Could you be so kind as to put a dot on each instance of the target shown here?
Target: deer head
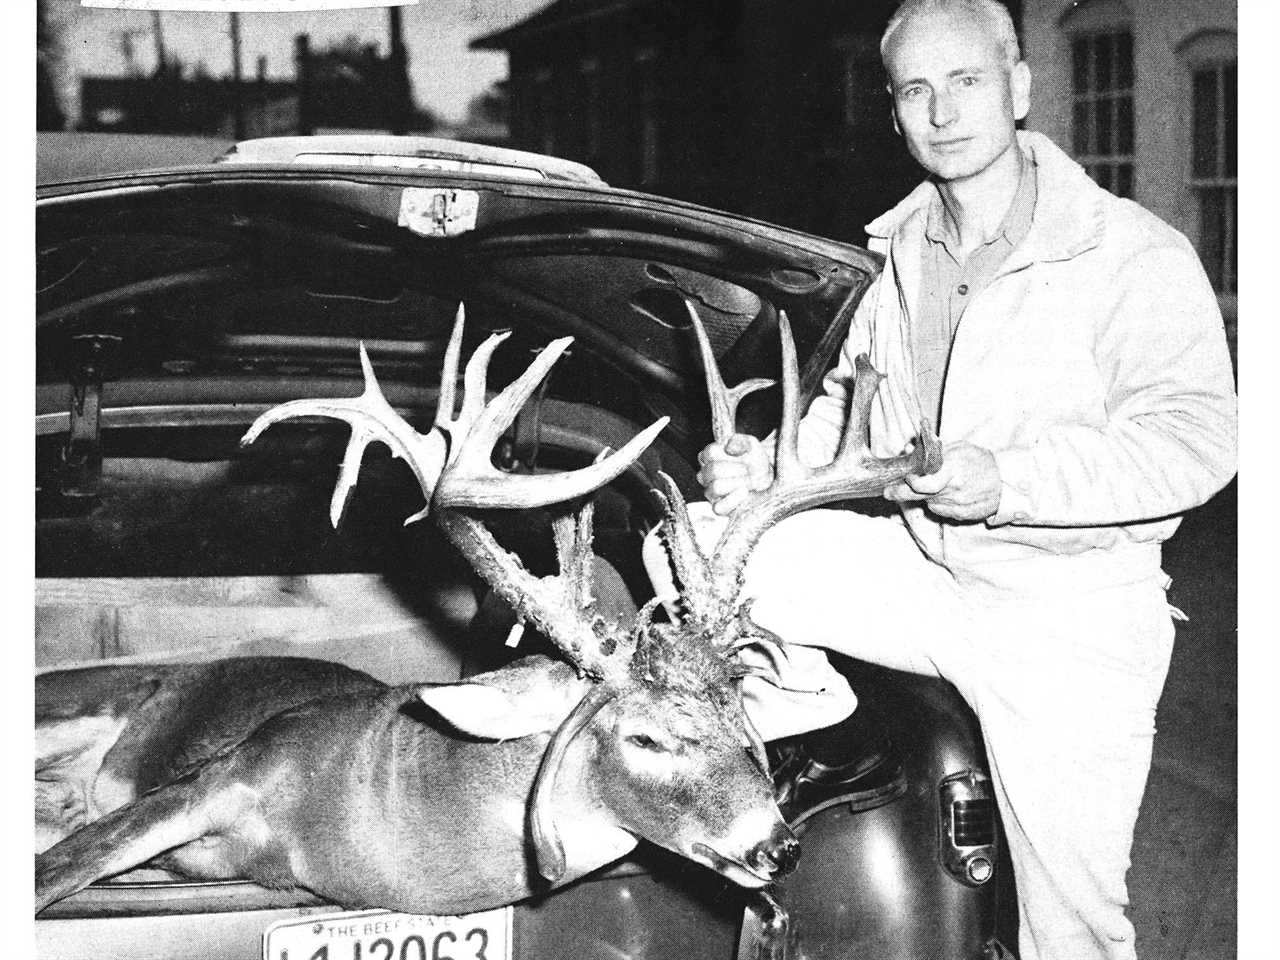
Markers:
(662, 714)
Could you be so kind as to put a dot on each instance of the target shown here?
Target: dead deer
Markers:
(459, 797)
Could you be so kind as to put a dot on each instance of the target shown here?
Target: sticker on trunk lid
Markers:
(438, 212)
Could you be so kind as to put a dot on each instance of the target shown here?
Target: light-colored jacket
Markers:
(1094, 367)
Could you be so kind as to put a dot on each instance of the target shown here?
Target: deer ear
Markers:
(547, 846)
(487, 710)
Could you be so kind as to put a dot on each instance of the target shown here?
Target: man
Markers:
(1069, 349)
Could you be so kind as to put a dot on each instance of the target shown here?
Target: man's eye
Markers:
(643, 741)
(968, 81)
(910, 93)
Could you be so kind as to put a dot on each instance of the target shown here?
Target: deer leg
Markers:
(159, 821)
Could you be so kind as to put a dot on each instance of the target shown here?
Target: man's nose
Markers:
(942, 110)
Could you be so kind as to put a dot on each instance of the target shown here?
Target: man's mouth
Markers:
(950, 145)
(735, 870)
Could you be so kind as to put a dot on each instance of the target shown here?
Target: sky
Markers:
(444, 73)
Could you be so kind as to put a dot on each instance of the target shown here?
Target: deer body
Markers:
(328, 780)
(457, 797)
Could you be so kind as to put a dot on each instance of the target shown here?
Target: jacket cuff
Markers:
(1017, 501)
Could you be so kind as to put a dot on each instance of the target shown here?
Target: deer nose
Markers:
(778, 855)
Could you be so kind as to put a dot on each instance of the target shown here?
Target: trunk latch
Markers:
(438, 212)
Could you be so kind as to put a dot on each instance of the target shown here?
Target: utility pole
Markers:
(400, 105)
(158, 33)
(302, 77)
(126, 50)
(237, 97)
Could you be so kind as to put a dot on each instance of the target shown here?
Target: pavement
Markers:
(1183, 881)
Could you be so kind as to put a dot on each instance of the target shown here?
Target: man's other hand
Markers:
(966, 488)
(732, 470)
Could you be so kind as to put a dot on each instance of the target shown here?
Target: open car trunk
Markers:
(174, 308)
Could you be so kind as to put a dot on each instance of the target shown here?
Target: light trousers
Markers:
(1064, 680)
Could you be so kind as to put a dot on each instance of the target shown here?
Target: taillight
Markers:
(967, 827)
(973, 822)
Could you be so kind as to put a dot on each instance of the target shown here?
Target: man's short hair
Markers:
(992, 12)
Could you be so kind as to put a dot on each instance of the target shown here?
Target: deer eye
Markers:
(644, 742)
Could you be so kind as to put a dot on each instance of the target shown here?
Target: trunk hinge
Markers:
(81, 471)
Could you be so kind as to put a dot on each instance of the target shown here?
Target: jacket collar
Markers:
(1069, 212)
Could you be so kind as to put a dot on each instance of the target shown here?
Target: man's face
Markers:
(955, 98)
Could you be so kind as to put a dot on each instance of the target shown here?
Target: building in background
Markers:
(346, 85)
(772, 108)
(49, 112)
(1143, 92)
(172, 103)
(343, 86)
(777, 108)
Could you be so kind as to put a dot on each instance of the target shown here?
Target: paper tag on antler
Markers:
(514, 634)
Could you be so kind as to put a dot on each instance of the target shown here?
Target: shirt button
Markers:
(962, 289)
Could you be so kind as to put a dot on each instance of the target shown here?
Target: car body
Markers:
(175, 305)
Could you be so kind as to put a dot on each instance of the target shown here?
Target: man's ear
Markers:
(1020, 89)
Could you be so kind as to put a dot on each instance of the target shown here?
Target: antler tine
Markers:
(471, 480)
(786, 460)
(724, 400)
(853, 456)
(690, 564)
(449, 372)
(573, 534)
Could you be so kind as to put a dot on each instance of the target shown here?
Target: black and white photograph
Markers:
(640, 480)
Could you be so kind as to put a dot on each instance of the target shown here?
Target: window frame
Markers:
(1213, 51)
(1120, 165)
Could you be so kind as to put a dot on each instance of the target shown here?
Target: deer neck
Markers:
(485, 857)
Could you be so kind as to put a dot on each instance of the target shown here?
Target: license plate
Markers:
(384, 935)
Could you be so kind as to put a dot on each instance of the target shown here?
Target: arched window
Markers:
(1210, 60)
(1102, 75)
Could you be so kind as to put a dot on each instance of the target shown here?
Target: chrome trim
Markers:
(266, 343)
(240, 415)
(383, 150)
(163, 415)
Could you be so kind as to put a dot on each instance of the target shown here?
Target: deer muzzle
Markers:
(764, 863)
(777, 856)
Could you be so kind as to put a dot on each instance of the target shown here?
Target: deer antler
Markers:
(712, 584)
(457, 473)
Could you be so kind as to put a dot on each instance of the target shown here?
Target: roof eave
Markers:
(547, 22)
